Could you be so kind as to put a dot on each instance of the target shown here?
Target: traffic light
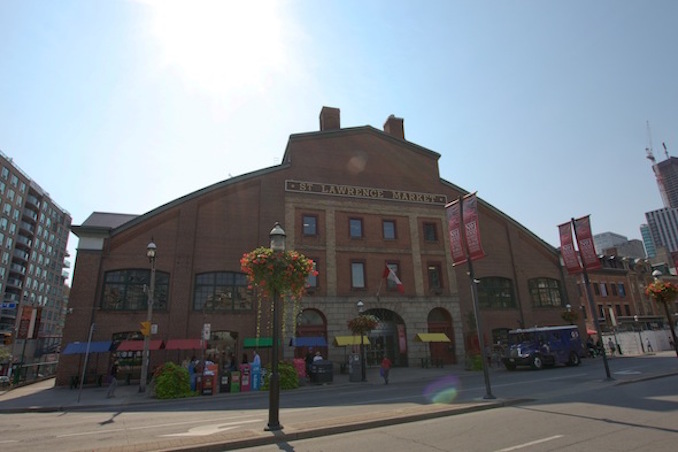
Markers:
(8, 339)
(145, 328)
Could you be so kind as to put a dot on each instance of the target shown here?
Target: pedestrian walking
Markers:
(385, 369)
(611, 346)
(113, 380)
(648, 344)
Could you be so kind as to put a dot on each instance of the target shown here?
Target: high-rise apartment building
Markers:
(33, 238)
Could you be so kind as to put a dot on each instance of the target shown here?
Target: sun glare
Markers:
(221, 47)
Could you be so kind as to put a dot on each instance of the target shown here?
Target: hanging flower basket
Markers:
(661, 291)
(283, 272)
(362, 324)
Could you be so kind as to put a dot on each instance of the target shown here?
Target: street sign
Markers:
(8, 305)
(206, 329)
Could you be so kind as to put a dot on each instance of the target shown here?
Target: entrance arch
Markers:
(389, 339)
(440, 321)
(311, 323)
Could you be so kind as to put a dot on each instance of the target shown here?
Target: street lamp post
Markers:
(363, 373)
(146, 356)
(277, 236)
(657, 276)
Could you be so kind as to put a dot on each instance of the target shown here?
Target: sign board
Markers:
(8, 305)
(206, 330)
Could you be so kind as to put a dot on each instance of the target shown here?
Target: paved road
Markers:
(52, 418)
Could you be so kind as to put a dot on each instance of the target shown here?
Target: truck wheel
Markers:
(537, 362)
(574, 359)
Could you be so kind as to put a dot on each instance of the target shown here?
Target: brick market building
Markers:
(355, 200)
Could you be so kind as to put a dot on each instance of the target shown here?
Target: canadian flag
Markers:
(390, 274)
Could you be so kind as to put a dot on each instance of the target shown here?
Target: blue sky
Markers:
(539, 106)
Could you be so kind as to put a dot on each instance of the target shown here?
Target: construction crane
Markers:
(655, 168)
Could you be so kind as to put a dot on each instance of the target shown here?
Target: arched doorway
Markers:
(311, 323)
(440, 321)
(388, 338)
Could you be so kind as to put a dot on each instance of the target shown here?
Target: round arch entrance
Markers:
(311, 323)
(389, 338)
(440, 321)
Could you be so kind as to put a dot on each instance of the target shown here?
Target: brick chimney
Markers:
(329, 119)
(394, 127)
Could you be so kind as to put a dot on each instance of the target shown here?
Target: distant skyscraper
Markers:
(619, 245)
(663, 225)
(667, 170)
(650, 249)
(607, 240)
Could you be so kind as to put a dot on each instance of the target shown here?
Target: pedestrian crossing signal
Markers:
(145, 328)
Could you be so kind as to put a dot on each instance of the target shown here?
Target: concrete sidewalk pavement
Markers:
(44, 397)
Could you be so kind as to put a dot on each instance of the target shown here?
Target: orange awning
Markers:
(185, 344)
(137, 346)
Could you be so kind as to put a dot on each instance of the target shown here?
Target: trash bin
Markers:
(355, 372)
(321, 372)
(225, 382)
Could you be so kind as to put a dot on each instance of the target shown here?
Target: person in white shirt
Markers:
(256, 361)
(317, 357)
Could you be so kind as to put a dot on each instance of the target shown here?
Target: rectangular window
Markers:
(618, 310)
(389, 228)
(613, 286)
(435, 278)
(601, 311)
(358, 275)
(596, 288)
(622, 290)
(627, 310)
(603, 289)
(310, 223)
(355, 228)
(430, 232)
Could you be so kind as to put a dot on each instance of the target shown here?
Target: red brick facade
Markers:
(335, 176)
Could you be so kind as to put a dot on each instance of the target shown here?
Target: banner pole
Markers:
(476, 310)
(594, 311)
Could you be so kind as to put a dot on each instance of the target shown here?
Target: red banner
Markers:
(472, 227)
(587, 251)
(567, 248)
(453, 211)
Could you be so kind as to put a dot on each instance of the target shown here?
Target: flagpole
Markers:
(594, 311)
(476, 310)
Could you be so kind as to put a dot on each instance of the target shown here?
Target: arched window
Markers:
(496, 293)
(545, 292)
(127, 290)
(221, 291)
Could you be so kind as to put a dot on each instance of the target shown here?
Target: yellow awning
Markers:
(431, 337)
(343, 341)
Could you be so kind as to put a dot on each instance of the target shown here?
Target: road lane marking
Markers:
(113, 430)
(531, 443)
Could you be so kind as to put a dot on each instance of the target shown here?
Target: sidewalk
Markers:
(44, 397)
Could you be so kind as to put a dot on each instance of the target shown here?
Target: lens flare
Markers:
(443, 390)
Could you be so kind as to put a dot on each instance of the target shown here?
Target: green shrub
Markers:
(474, 362)
(287, 375)
(172, 382)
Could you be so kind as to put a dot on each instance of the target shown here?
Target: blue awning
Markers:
(77, 348)
(315, 341)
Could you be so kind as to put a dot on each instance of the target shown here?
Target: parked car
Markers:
(4, 381)
(545, 346)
